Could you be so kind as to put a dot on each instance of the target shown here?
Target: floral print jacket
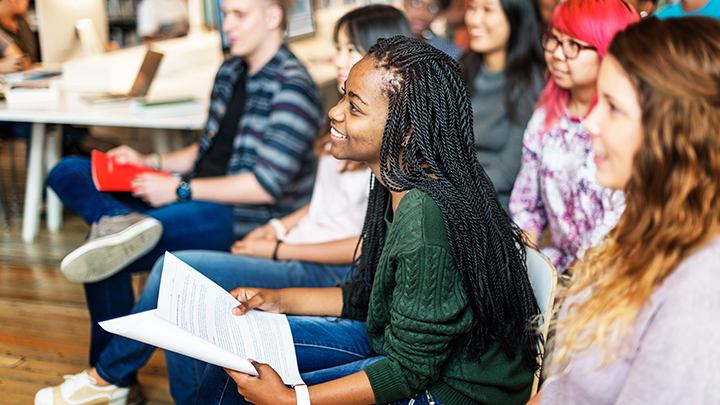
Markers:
(556, 187)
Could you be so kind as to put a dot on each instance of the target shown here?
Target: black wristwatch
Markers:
(184, 190)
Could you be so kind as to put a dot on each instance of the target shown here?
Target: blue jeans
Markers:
(17, 129)
(122, 358)
(326, 349)
(191, 225)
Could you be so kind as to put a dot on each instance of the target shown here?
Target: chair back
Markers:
(543, 279)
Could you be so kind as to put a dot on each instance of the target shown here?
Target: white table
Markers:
(45, 146)
(188, 69)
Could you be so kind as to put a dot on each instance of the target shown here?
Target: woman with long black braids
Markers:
(440, 304)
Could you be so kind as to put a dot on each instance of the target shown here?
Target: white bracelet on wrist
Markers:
(302, 394)
(279, 228)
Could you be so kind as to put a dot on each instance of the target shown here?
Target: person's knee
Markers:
(191, 257)
(204, 261)
(68, 166)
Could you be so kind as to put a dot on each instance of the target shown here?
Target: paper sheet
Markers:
(194, 318)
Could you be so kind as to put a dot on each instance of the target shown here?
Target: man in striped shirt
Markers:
(254, 162)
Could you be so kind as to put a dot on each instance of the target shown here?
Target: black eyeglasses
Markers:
(570, 48)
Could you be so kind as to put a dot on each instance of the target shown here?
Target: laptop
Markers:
(139, 89)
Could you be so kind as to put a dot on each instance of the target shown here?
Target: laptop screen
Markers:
(146, 74)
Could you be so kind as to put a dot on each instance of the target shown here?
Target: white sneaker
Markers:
(81, 389)
(113, 243)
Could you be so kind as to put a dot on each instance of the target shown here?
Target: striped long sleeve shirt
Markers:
(283, 114)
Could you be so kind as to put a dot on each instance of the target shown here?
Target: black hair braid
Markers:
(428, 144)
(372, 237)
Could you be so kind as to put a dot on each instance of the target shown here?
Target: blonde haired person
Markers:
(641, 319)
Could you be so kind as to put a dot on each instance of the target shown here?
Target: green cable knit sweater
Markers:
(419, 317)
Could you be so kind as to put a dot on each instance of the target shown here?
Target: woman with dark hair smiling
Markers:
(313, 246)
(504, 73)
(439, 307)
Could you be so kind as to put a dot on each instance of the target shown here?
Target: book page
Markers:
(194, 318)
(149, 328)
(193, 302)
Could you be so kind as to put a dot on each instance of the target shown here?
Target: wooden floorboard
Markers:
(44, 323)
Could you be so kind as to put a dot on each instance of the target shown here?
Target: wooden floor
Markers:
(44, 323)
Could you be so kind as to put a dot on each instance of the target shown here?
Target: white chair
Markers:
(543, 278)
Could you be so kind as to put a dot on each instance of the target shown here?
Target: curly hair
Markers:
(672, 205)
(428, 145)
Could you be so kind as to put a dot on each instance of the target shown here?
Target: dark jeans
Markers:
(16, 129)
(191, 225)
(122, 358)
(326, 349)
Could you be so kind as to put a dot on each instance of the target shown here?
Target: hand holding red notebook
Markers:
(109, 175)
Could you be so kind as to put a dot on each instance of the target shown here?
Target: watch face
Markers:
(184, 191)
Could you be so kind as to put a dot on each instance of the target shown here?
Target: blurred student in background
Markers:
(16, 28)
(16, 31)
(11, 57)
(504, 73)
(20, 52)
(421, 13)
(556, 186)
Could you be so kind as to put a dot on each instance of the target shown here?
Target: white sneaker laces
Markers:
(73, 382)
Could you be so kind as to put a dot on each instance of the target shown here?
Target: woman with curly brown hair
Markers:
(640, 322)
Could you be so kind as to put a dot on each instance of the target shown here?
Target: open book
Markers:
(109, 175)
(194, 318)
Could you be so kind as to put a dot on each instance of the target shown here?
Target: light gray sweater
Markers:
(674, 352)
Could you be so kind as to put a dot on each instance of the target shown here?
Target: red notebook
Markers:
(109, 175)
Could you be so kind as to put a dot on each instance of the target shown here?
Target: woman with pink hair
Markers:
(640, 321)
(556, 186)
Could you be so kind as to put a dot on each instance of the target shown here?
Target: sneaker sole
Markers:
(105, 257)
(53, 396)
(104, 400)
